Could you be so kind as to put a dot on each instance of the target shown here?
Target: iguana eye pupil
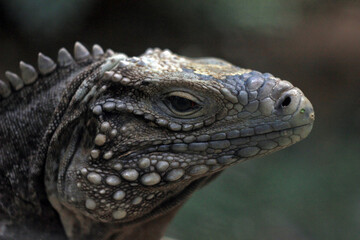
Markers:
(181, 104)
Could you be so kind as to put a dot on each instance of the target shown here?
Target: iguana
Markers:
(106, 146)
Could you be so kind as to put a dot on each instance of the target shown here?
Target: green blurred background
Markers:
(306, 192)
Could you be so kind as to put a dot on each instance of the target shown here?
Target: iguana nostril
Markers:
(286, 102)
(312, 116)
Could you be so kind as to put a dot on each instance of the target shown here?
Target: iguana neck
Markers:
(152, 229)
(24, 118)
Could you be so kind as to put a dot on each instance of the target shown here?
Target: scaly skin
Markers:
(116, 144)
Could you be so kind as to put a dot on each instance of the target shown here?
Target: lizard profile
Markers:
(106, 146)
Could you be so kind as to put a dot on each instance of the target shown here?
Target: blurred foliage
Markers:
(256, 15)
(309, 191)
(49, 18)
(44, 17)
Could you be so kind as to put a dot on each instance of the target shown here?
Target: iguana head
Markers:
(155, 127)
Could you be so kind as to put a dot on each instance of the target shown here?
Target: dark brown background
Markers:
(309, 191)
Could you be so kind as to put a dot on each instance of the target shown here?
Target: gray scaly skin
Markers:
(106, 146)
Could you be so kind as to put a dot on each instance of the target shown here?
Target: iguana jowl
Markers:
(111, 146)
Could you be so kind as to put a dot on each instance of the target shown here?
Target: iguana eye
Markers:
(182, 103)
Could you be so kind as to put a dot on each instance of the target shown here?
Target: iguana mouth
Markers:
(200, 147)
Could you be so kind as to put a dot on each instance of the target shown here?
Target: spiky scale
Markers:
(46, 65)
(64, 58)
(28, 73)
(80, 52)
(97, 51)
(5, 90)
(15, 81)
(110, 52)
